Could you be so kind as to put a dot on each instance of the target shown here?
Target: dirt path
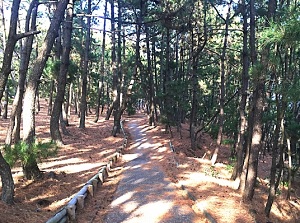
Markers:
(145, 194)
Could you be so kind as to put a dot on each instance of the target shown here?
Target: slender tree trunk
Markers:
(102, 68)
(62, 77)
(69, 101)
(51, 97)
(31, 169)
(222, 86)
(272, 188)
(256, 113)
(288, 142)
(237, 171)
(83, 101)
(113, 63)
(194, 101)
(10, 46)
(118, 109)
(13, 130)
(222, 77)
(5, 104)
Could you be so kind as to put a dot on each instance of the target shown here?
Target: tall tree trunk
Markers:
(102, 68)
(256, 113)
(10, 46)
(113, 63)
(237, 171)
(272, 188)
(13, 130)
(222, 84)
(118, 111)
(31, 169)
(83, 101)
(12, 39)
(151, 82)
(62, 76)
(195, 58)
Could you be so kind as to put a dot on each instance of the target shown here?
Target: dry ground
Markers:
(85, 151)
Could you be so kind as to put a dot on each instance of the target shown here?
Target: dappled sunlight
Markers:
(76, 168)
(122, 199)
(150, 212)
(83, 153)
(53, 162)
(197, 178)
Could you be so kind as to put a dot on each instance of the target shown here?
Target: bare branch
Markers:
(26, 34)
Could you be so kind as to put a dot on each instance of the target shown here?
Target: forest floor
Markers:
(85, 151)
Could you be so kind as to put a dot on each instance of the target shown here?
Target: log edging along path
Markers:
(68, 212)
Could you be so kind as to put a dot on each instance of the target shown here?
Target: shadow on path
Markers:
(144, 194)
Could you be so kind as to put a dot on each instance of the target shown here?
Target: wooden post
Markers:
(71, 212)
(80, 201)
(95, 183)
(90, 190)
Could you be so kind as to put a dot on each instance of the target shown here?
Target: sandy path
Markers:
(145, 194)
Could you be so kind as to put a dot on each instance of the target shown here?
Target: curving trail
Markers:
(145, 194)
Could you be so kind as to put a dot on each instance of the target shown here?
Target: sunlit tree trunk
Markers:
(256, 113)
(13, 131)
(31, 169)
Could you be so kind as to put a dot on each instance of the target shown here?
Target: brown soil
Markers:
(86, 151)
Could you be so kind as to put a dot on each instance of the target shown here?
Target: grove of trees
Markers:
(229, 68)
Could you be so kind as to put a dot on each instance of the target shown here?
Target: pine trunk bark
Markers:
(13, 131)
(31, 169)
(83, 101)
(255, 113)
(102, 68)
(10, 46)
(7, 195)
(120, 104)
(237, 171)
(114, 103)
(62, 77)
(50, 107)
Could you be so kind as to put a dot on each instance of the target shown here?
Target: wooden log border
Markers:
(68, 212)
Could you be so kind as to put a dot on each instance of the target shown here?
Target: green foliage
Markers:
(211, 171)
(213, 131)
(286, 32)
(29, 153)
(230, 165)
(228, 142)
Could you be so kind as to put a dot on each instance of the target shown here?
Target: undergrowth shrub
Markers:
(29, 153)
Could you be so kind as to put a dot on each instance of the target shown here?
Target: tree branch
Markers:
(26, 34)
(217, 112)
